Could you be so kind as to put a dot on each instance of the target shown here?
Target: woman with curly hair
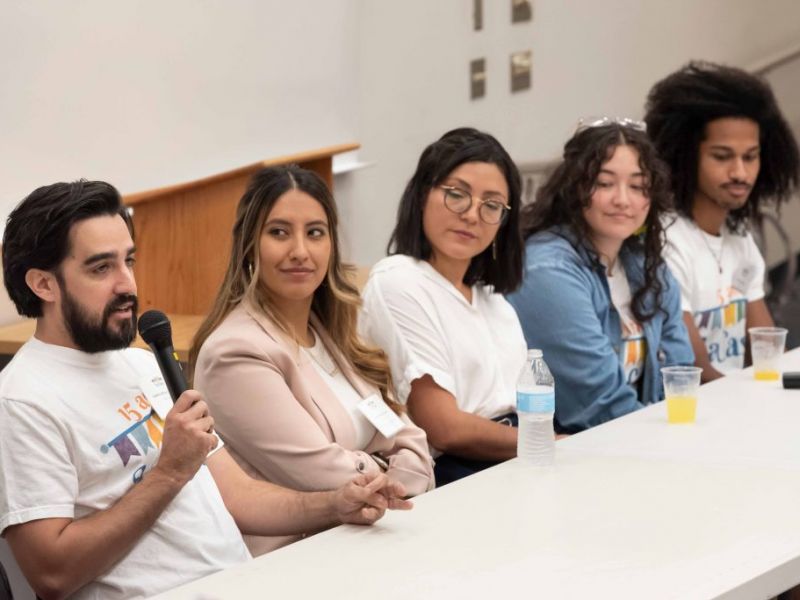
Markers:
(293, 390)
(596, 296)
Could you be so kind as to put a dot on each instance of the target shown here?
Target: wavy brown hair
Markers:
(568, 191)
(336, 301)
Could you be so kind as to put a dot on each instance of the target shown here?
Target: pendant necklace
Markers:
(320, 355)
(717, 258)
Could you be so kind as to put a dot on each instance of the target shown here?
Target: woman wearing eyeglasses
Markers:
(435, 305)
(597, 297)
(298, 398)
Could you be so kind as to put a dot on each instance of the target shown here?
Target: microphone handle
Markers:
(171, 370)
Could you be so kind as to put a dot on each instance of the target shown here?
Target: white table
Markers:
(635, 508)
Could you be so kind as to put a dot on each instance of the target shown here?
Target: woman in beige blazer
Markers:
(279, 360)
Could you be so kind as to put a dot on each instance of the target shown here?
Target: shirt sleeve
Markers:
(37, 477)
(681, 267)
(398, 317)
(755, 291)
(558, 316)
(410, 461)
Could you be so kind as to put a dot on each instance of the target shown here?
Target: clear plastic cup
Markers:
(766, 347)
(680, 391)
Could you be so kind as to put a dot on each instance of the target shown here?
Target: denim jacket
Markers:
(564, 305)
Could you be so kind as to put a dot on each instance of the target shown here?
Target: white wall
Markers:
(149, 93)
(589, 58)
(785, 81)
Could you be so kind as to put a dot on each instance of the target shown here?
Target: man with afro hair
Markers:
(730, 152)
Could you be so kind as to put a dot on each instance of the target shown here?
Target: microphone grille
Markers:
(155, 329)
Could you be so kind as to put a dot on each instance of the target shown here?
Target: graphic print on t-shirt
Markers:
(137, 439)
(632, 343)
(722, 329)
(632, 350)
(718, 275)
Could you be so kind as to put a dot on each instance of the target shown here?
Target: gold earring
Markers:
(250, 269)
(494, 249)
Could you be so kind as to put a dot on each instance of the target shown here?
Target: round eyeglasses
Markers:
(492, 210)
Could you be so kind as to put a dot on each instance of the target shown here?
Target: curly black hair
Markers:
(681, 105)
(568, 191)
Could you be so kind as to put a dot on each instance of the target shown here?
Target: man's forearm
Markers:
(261, 508)
(86, 548)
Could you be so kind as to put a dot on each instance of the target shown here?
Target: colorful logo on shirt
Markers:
(632, 351)
(138, 439)
(722, 329)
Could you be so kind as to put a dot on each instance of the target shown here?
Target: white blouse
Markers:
(474, 350)
(326, 367)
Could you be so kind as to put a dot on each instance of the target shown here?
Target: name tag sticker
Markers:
(156, 391)
(380, 415)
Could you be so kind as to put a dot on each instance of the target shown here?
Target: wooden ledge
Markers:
(302, 157)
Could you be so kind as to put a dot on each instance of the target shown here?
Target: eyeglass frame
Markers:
(446, 188)
(585, 123)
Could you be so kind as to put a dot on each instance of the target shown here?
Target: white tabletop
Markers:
(739, 421)
(635, 508)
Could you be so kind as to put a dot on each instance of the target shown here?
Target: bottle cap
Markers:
(791, 380)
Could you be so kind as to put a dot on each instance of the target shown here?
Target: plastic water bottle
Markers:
(536, 404)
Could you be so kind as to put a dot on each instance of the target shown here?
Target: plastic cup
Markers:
(766, 348)
(680, 390)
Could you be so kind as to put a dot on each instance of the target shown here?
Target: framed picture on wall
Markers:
(477, 78)
(521, 11)
(520, 64)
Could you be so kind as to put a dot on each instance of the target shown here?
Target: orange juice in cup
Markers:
(680, 390)
(766, 348)
(767, 374)
(681, 409)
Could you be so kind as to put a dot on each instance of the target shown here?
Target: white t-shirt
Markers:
(330, 373)
(718, 276)
(633, 345)
(76, 433)
(474, 350)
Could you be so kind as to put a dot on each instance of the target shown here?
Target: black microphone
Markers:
(156, 331)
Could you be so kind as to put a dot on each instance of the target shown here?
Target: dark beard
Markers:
(92, 337)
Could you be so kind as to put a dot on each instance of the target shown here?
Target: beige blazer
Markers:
(281, 421)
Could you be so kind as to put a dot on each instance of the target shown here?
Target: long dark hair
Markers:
(680, 106)
(568, 191)
(336, 301)
(438, 160)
